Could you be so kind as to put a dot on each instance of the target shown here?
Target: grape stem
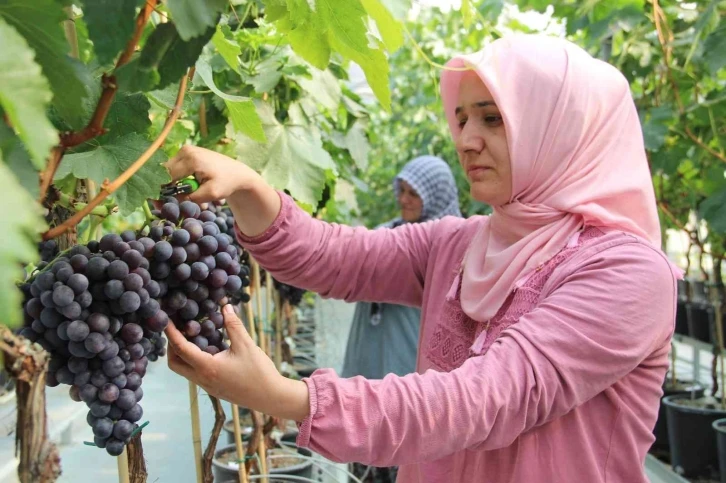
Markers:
(109, 188)
(67, 202)
(95, 125)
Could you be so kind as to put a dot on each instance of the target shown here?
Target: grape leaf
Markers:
(467, 13)
(714, 49)
(323, 87)
(129, 113)
(25, 94)
(346, 22)
(712, 211)
(39, 21)
(357, 144)
(399, 8)
(293, 158)
(229, 50)
(305, 31)
(110, 25)
(375, 66)
(108, 160)
(180, 56)
(268, 74)
(388, 26)
(21, 221)
(18, 160)
(242, 110)
(193, 18)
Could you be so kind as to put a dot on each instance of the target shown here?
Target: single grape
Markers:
(98, 378)
(98, 322)
(154, 289)
(188, 209)
(124, 355)
(207, 216)
(33, 307)
(52, 337)
(200, 342)
(108, 241)
(108, 393)
(126, 399)
(78, 330)
(133, 381)
(120, 381)
(89, 393)
(75, 394)
(103, 427)
(207, 245)
(151, 308)
(64, 376)
(72, 311)
(218, 319)
(118, 269)
(158, 321)
(99, 409)
(60, 264)
(132, 333)
(82, 378)
(176, 300)
(200, 271)
(192, 328)
(160, 270)
(115, 325)
(63, 296)
(234, 284)
(133, 282)
(121, 247)
(218, 278)
(234, 269)
(129, 367)
(122, 429)
(209, 261)
(96, 268)
(210, 229)
(95, 342)
(115, 413)
(139, 394)
(196, 231)
(170, 211)
(162, 251)
(217, 294)
(114, 447)
(78, 349)
(64, 274)
(109, 352)
(207, 327)
(93, 246)
(77, 365)
(148, 244)
(130, 301)
(50, 318)
(211, 349)
(45, 280)
(85, 299)
(132, 259)
(113, 289)
(113, 367)
(46, 299)
(136, 351)
(143, 297)
(190, 310)
(207, 306)
(100, 442)
(222, 243)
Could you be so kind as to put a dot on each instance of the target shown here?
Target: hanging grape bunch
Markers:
(200, 265)
(292, 295)
(93, 309)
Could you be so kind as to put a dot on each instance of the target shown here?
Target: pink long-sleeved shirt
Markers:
(563, 385)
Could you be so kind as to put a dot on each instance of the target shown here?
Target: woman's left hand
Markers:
(243, 375)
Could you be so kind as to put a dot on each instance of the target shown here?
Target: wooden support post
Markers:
(196, 430)
(123, 467)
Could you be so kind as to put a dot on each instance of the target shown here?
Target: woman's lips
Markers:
(474, 172)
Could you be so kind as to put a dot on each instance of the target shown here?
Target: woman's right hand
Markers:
(254, 203)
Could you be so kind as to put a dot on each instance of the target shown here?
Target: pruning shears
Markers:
(182, 187)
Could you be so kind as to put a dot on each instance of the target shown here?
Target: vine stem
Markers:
(95, 125)
(109, 188)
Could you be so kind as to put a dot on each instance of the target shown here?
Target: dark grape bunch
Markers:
(292, 295)
(48, 250)
(200, 265)
(94, 309)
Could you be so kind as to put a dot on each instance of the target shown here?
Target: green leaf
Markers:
(357, 144)
(293, 158)
(399, 8)
(129, 113)
(18, 160)
(491, 9)
(375, 66)
(323, 87)
(655, 128)
(388, 26)
(109, 160)
(193, 18)
(21, 222)
(715, 50)
(39, 21)
(712, 210)
(25, 94)
(230, 51)
(268, 75)
(466, 12)
(346, 21)
(242, 110)
(110, 25)
(181, 56)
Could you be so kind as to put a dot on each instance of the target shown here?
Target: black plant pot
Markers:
(690, 389)
(303, 468)
(700, 314)
(691, 437)
(720, 427)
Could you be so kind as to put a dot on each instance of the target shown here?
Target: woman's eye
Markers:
(493, 119)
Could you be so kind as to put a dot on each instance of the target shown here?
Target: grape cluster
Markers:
(48, 250)
(225, 221)
(199, 263)
(292, 295)
(94, 309)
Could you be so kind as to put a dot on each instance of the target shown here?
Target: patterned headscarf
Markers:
(433, 180)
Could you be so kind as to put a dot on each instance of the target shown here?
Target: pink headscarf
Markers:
(577, 156)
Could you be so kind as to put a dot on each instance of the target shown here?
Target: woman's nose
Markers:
(469, 139)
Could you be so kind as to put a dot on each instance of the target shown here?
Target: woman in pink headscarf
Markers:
(545, 327)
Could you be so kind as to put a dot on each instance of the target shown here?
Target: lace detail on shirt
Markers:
(451, 342)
